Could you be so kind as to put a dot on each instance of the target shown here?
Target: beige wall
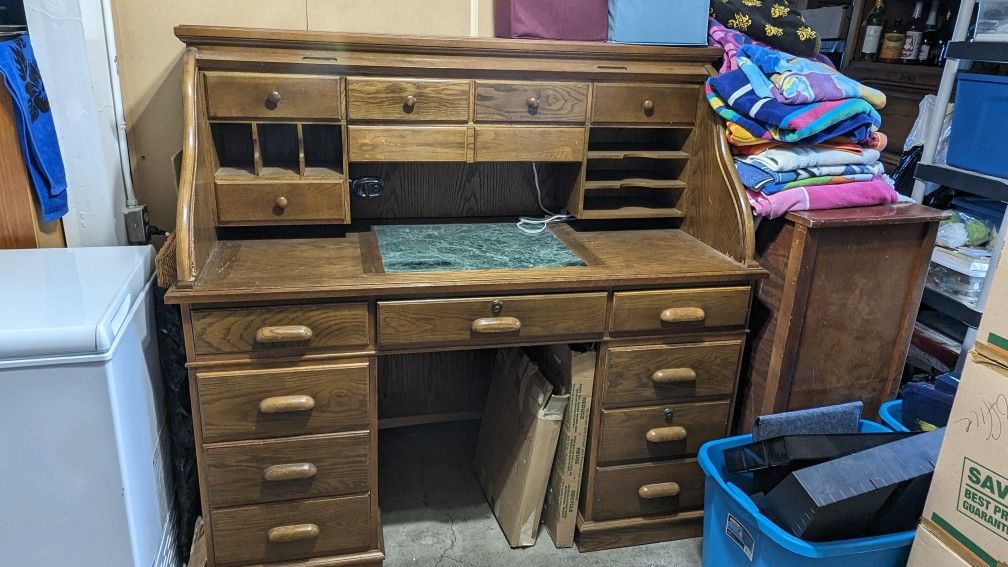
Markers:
(150, 61)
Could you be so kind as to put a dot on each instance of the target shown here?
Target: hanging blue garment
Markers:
(36, 132)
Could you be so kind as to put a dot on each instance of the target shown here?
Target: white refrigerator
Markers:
(84, 475)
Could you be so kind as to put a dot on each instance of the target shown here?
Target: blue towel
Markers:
(763, 179)
(842, 418)
(35, 126)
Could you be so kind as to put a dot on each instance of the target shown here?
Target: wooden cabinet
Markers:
(833, 321)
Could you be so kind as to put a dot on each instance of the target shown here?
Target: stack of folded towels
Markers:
(804, 136)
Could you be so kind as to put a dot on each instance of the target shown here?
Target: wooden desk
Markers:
(288, 311)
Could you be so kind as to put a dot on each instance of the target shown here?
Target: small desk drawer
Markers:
(528, 101)
(300, 529)
(405, 143)
(331, 326)
(660, 431)
(487, 320)
(282, 202)
(408, 100)
(257, 404)
(256, 472)
(645, 103)
(263, 95)
(655, 373)
(649, 488)
(679, 310)
(530, 143)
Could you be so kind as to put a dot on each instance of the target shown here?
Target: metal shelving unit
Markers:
(967, 181)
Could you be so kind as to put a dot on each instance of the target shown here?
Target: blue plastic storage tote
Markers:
(659, 22)
(736, 533)
(891, 414)
(979, 122)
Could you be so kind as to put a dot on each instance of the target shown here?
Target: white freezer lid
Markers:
(68, 301)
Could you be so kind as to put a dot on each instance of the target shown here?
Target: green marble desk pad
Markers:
(461, 247)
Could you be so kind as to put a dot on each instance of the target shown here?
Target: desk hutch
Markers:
(289, 311)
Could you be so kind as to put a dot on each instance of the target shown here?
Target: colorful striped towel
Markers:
(877, 141)
(878, 191)
(820, 180)
(744, 131)
(803, 120)
(758, 178)
(790, 158)
(796, 80)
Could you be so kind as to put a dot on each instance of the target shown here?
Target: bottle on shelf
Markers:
(913, 35)
(944, 35)
(892, 43)
(929, 42)
(873, 33)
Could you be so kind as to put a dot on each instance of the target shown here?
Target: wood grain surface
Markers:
(295, 202)
(640, 311)
(622, 432)
(407, 143)
(515, 143)
(671, 104)
(245, 95)
(385, 99)
(332, 325)
(616, 493)
(531, 101)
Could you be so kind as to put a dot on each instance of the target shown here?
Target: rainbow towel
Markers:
(790, 158)
(796, 80)
(804, 120)
(878, 191)
(745, 131)
(761, 179)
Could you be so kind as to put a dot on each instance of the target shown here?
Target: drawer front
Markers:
(649, 488)
(679, 310)
(408, 100)
(660, 431)
(267, 329)
(391, 143)
(256, 404)
(654, 373)
(511, 143)
(278, 203)
(300, 529)
(491, 320)
(262, 95)
(257, 472)
(525, 101)
(645, 104)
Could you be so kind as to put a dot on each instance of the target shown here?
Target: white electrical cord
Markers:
(530, 225)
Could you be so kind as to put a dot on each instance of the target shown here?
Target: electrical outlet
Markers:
(137, 224)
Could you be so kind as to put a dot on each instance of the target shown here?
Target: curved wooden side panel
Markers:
(715, 204)
(195, 218)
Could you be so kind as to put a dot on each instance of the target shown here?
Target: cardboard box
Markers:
(517, 443)
(994, 323)
(830, 21)
(968, 499)
(931, 551)
(576, 372)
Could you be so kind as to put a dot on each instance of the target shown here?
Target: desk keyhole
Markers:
(496, 307)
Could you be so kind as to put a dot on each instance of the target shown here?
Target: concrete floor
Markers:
(434, 513)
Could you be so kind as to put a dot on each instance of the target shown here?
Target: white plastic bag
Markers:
(920, 127)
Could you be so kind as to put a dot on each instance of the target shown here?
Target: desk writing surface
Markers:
(349, 266)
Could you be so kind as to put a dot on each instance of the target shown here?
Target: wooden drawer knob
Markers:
(665, 434)
(287, 404)
(409, 104)
(273, 99)
(659, 490)
(533, 104)
(496, 325)
(673, 376)
(682, 315)
(290, 471)
(283, 334)
(281, 203)
(297, 532)
(648, 107)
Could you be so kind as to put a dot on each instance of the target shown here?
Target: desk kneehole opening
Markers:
(292, 533)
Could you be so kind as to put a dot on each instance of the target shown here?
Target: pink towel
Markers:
(878, 191)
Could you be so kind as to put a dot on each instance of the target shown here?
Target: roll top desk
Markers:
(297, 145)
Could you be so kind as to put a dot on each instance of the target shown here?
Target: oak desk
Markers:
(289, 313)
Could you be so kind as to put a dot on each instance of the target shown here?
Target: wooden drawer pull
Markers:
(660, 490)
(496, 325)
(665, 434)
(683, 315)
(297, 532)
(287, 404)
(283, 334)
(290, 471)
(673, 376)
